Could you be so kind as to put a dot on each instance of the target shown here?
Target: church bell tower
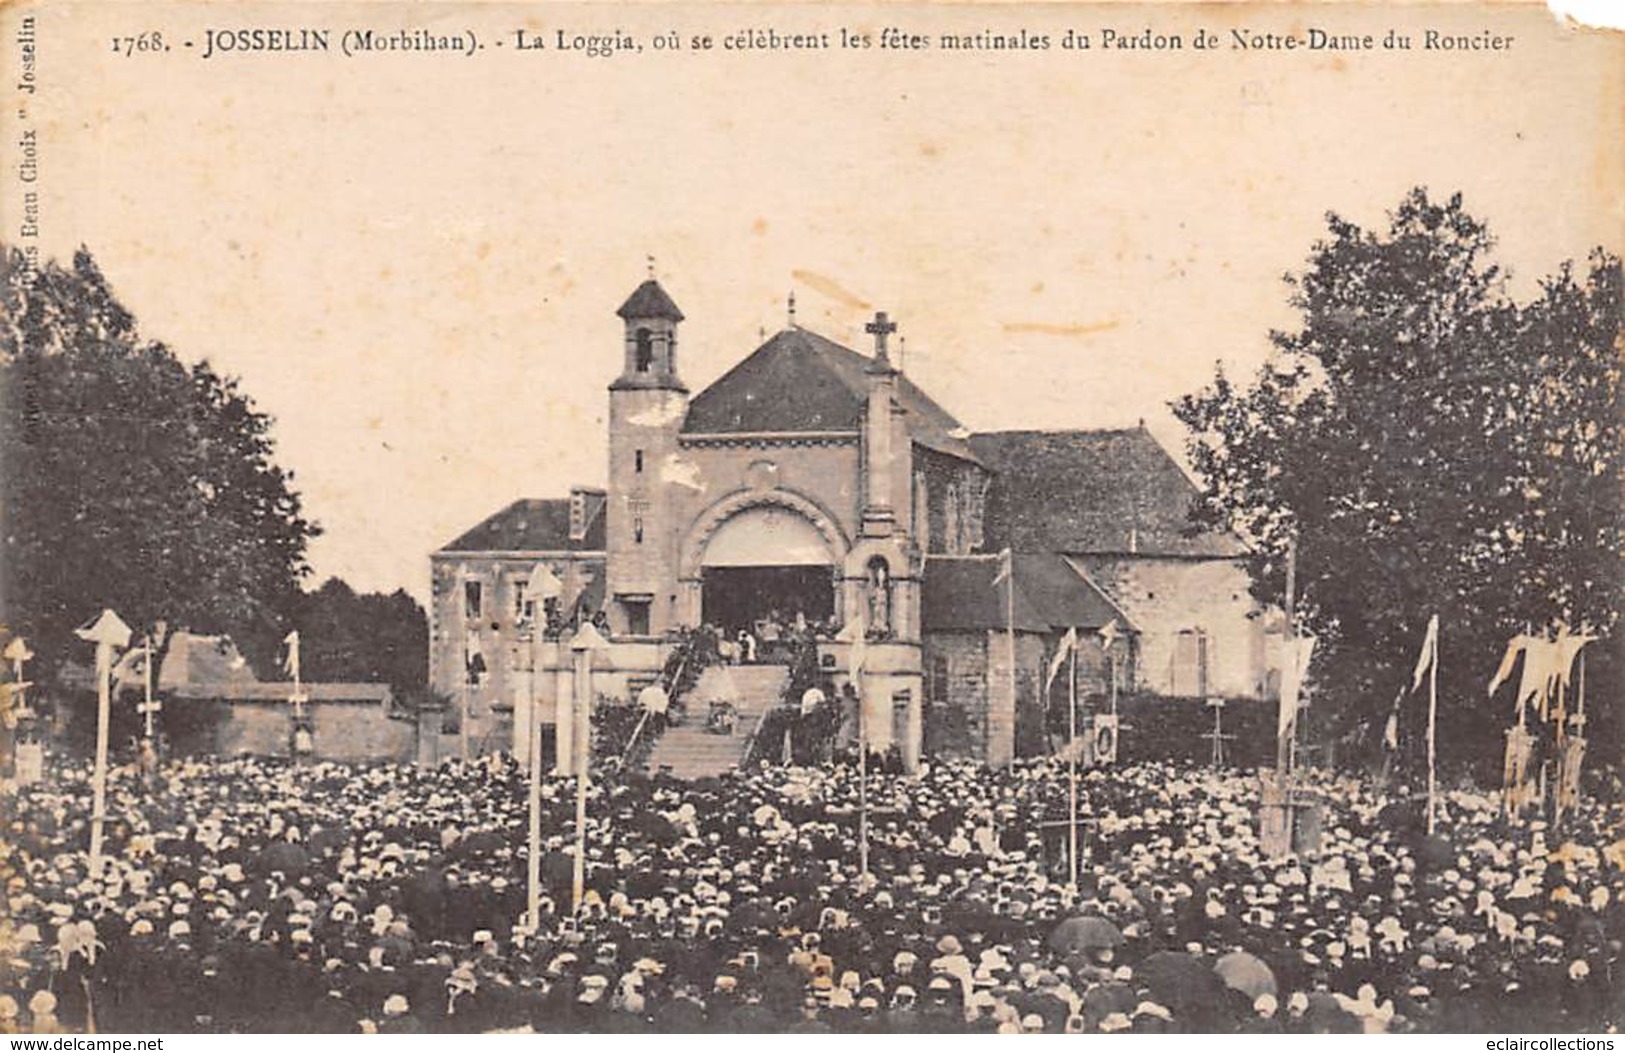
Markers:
(647, 405)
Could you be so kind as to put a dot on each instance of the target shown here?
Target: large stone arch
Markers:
(725, 508)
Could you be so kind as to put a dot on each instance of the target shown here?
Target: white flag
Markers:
(1293, 669)
(290, 664)
(855, 634)
(1062, 650)
(1429, 655)
(544, 584)
(132, 668)
(1568, 646)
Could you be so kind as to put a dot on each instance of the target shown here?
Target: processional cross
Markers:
(880, 328)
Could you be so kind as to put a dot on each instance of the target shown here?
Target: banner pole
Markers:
(1072, 765)
(1433, 713)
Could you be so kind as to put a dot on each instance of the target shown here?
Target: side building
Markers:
(483, 618)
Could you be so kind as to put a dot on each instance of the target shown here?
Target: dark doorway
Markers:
(736, 598)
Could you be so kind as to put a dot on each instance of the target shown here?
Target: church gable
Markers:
(799, 382)
(786, 385)
(1112, 491)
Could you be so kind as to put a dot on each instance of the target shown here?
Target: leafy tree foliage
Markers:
(363, 637)
(1432, 446)
(132, 480)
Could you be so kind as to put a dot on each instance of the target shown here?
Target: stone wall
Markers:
(352, 732)
(948, 503)
(956, 695)
(969, 711)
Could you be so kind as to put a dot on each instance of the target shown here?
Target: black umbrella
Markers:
(1084, 935)
(1184, 983)
(1104, 1000)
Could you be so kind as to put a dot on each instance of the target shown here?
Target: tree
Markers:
(364, 637)
(132, 480)
(1432, 446)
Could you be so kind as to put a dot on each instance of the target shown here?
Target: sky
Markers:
(413, 262)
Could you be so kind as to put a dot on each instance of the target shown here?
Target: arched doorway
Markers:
(767, 566)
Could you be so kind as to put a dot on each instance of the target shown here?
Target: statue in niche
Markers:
(879, 589)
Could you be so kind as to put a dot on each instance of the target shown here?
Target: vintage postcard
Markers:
(811, 517)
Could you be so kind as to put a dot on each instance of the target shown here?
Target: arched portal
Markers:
(767, 569)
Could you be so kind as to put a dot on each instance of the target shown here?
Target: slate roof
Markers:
(1092, 492)
(534, 525)
(649, 300)
(959, 593)
(1063, 595)
(799, 381)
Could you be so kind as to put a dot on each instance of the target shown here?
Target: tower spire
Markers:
(791, 309)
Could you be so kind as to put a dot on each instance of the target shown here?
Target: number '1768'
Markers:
(140, 43)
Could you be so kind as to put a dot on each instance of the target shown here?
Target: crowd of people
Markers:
(247, 895)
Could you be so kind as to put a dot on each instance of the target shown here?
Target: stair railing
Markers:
(632, 742)
(750, 739)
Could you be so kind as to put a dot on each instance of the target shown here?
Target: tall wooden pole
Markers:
(863, 781)
(1010, 621)
(564, 713)
(587, 640)
(1433, 714)
(108, 633)
(146, 666)
(1111, 667)
(1287, 730)
(533, 834)
(578, 879)
(104, 705)
(1072, 766)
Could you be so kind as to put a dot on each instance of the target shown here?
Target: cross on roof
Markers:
(880, 328)
(651, 264)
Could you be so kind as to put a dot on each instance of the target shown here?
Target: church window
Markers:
(936, 679)
(637, 461)
(920, 513)
(1189, 679)
(637, 616)
(645, 357)
(472, 599)
(975, 512)
(637, 530)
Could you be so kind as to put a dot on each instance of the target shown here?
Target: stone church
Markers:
(816, 485)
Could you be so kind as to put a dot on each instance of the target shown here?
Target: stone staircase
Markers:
(688, 751)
